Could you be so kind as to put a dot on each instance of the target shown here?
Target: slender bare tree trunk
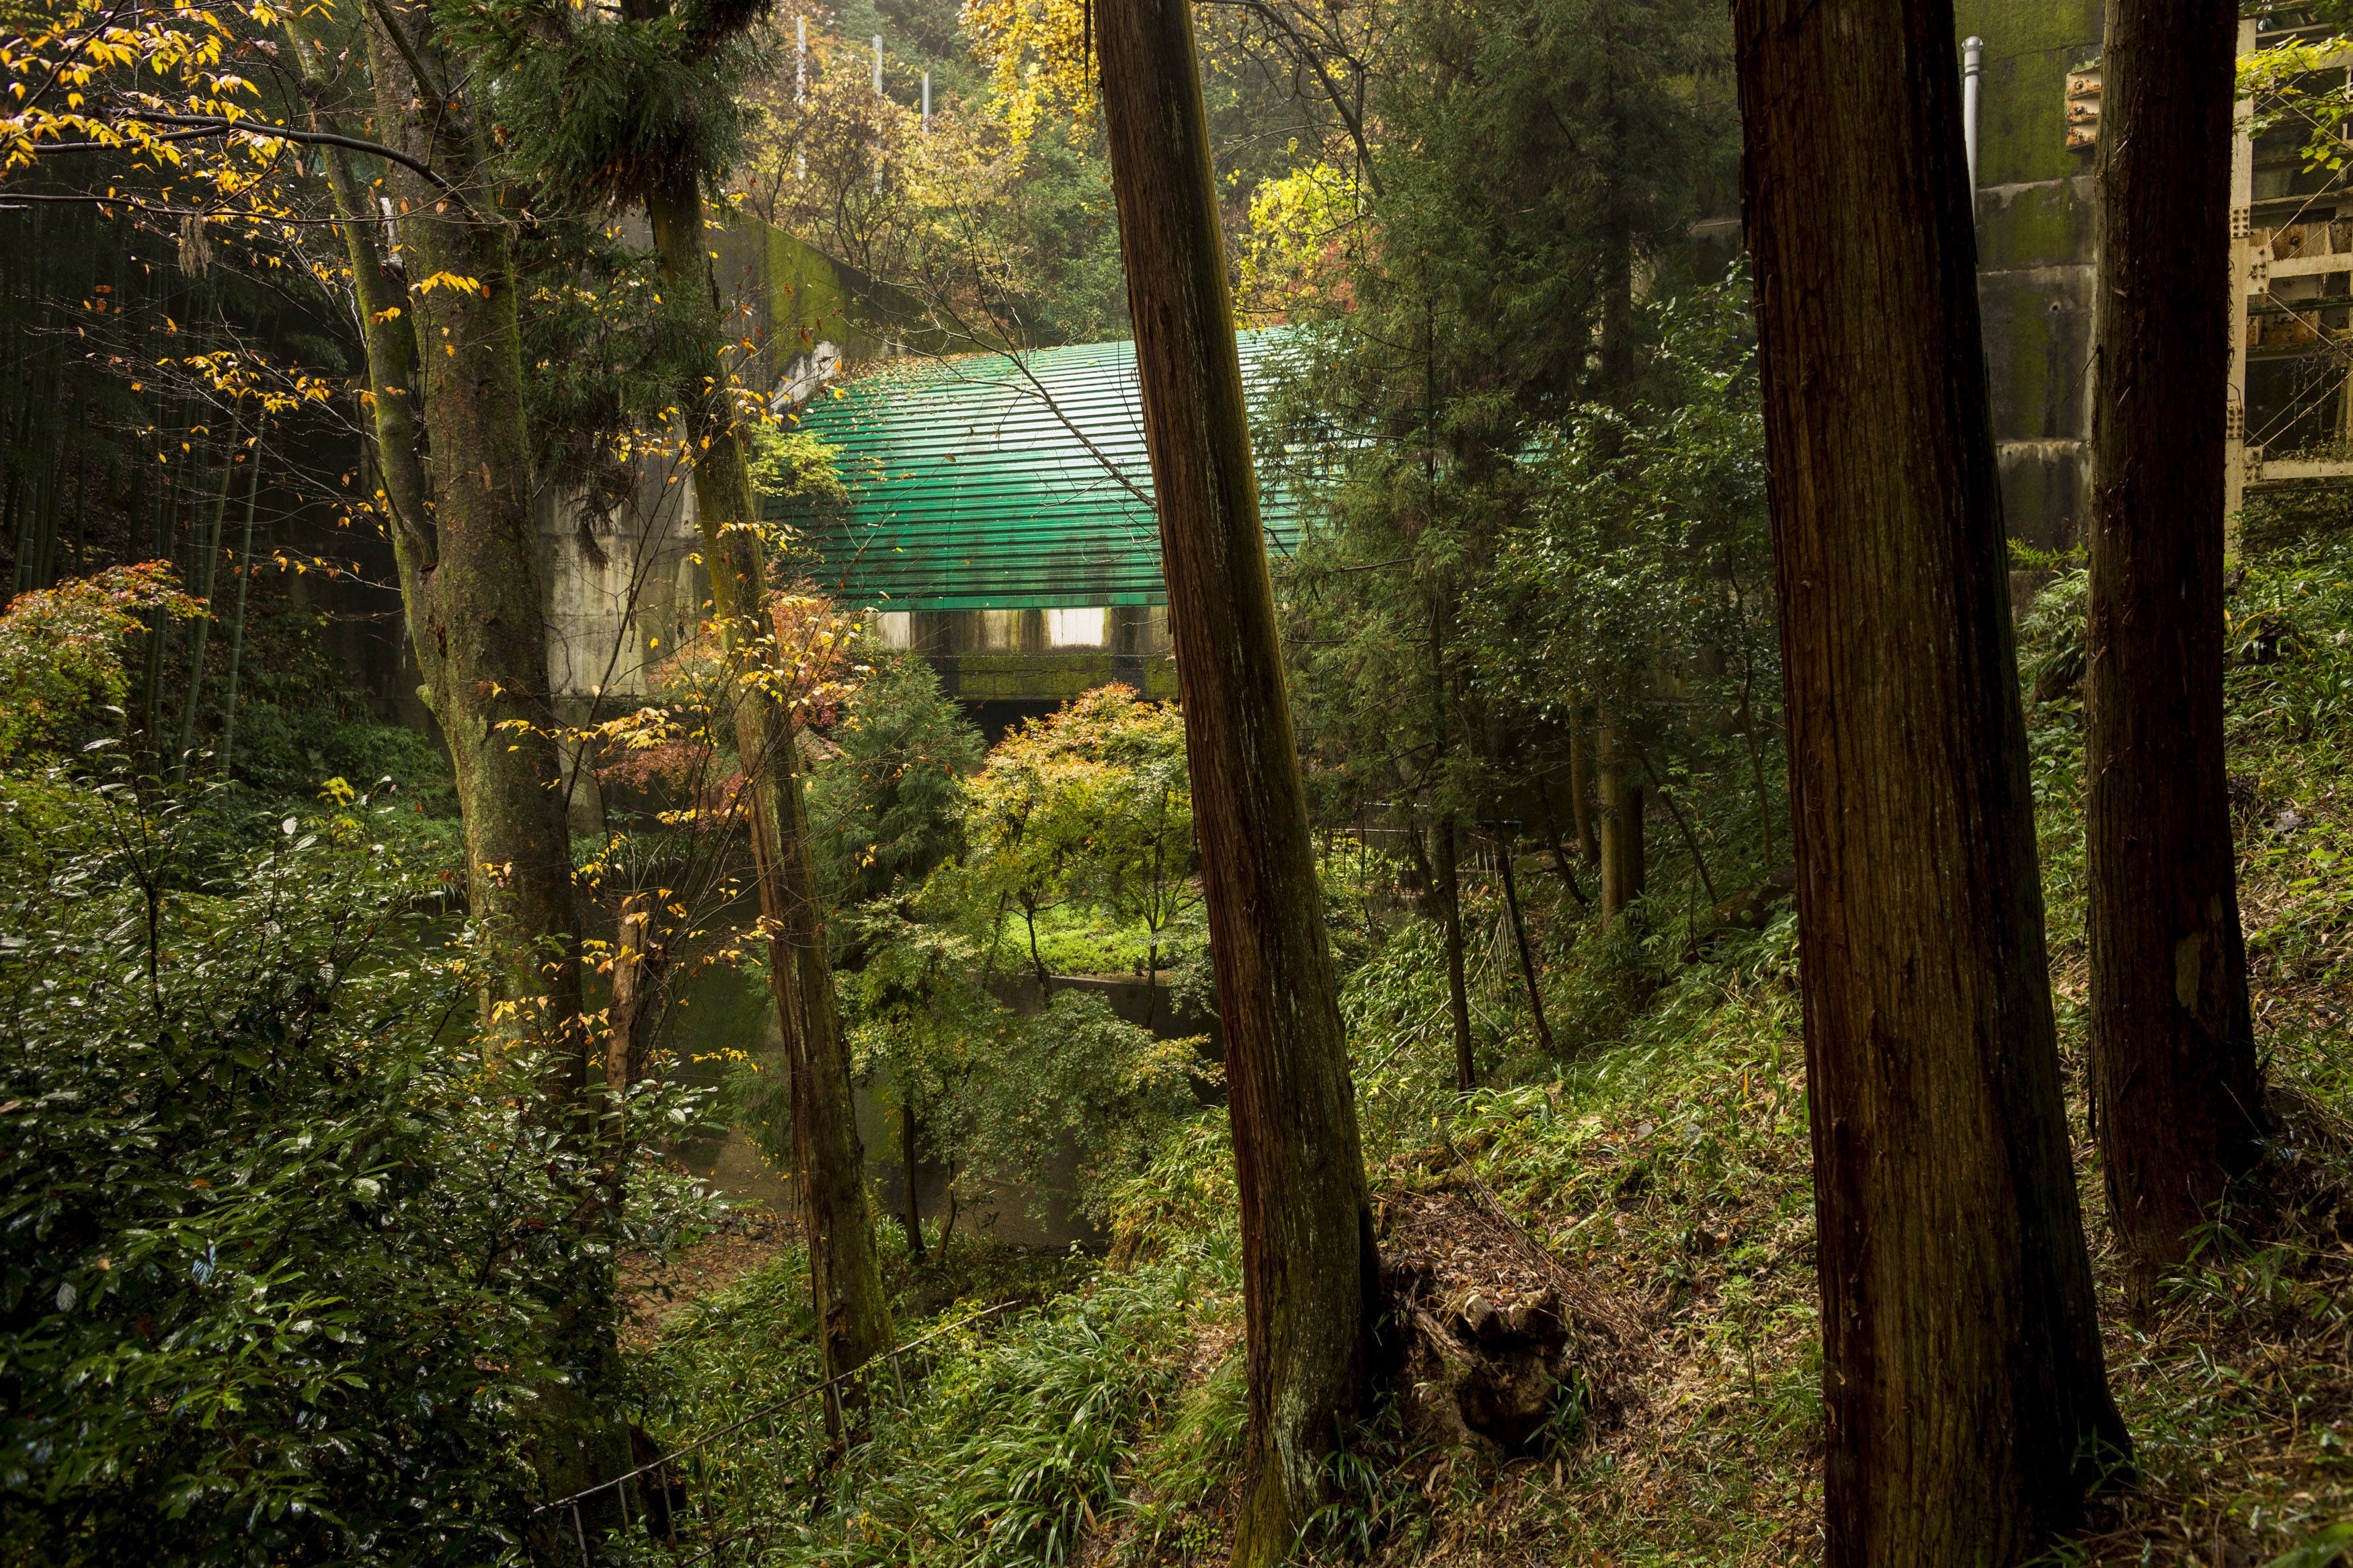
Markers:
(912, 1216)
(1559, 854)
(1503, 851)
(1310, 1271)
(637, 980)
(1458, 988)
(2178, 1092)
(1966, 1409)
(236, 626)
(845, 1275)
(208, 553)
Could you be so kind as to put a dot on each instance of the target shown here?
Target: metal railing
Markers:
(682, 1479)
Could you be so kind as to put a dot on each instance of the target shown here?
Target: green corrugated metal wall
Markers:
(981, 483)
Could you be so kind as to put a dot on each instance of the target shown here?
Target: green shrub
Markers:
(282, 1260)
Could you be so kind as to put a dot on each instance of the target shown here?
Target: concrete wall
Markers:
(2038, 250)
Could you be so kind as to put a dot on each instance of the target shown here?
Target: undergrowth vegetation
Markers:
(287, 1277)
(1660, 1160)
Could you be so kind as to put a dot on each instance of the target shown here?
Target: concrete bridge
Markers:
(998, 520)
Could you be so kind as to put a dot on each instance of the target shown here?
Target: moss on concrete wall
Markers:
(2030, 46)
(2038, 252)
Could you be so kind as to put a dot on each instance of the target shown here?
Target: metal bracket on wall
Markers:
(2083, 107)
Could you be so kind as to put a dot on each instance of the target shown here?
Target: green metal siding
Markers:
(986, 483)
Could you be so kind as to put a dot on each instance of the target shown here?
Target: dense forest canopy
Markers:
(1657, 988)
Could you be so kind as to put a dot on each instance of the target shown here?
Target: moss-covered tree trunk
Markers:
(844, 1274)
(1967, 1412)
(445, 350)
(1310, 1271)
(444, 383)
(2178, 1095)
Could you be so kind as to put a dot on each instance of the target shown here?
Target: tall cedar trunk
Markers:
(1966, 1409)
(845, 1276)
(1457, 989)
(1618, 797)
(1620, 807)
(2178, 1095)
(464, 536)
(1310, 1271)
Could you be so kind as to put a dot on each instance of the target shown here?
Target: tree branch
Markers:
(214, 126)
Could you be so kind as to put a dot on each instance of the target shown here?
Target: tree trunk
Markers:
(464, 532)
(1503, 851)
(845, 1275)
(2176, 1087)
(236, 626)
(1967, 1410)
(208, 556)
(912, 1210)
(637, 980)
(159, 621)
(1682, 825)
(1458, 990)
(445, 362)
(1581, 791)
(1561, 854)
(1310, 1271)
(1620, 800)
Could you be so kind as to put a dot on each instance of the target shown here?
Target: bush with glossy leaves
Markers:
(282, 1263)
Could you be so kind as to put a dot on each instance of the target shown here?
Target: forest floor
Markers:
(654, 1290)
(1662, 1197)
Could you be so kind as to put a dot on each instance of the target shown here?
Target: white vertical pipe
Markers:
(800, 59)
(927, 100)
(877, 65)
(1972, 81)
(878, 94)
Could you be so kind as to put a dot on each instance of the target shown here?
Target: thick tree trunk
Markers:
(445, 362)
(1458, 987)
(1968, 1411)
(2177, 1090)
(464, 535)
(1310, 1271)
(1619, 799)
(845, 1276)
